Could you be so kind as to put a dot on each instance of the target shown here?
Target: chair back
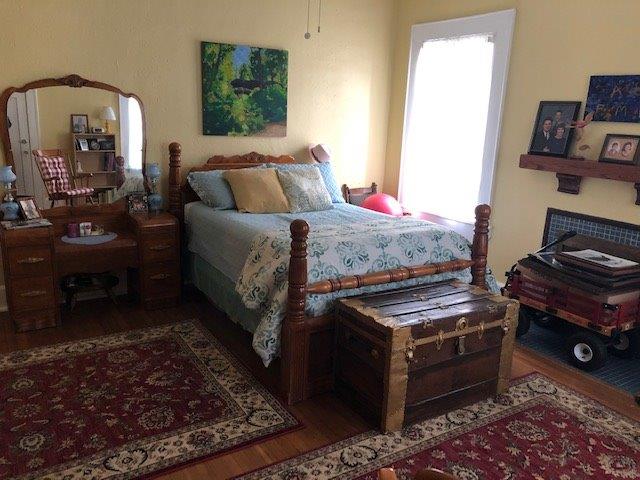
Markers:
(54, 171)
(356, 196)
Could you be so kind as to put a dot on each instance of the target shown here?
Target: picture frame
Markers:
(554, 128)
(614, 98)
(137, 202)
(79, 123)
(83, 144)
(28, 208)
(620, 149)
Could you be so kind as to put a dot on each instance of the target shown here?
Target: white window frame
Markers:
(500, 26)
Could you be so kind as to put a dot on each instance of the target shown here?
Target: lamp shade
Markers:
(153, 171)
(6, 175)
(107, 113)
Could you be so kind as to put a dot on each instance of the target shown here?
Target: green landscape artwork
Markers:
(244, 90)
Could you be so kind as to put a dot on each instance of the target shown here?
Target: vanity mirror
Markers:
(97, 129)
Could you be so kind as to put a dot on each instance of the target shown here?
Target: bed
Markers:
(277, 275)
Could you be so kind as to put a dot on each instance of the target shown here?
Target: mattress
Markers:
(223, 237)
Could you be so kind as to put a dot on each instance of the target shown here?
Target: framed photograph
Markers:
(137, 202)
(28, 208)
(79, 123)
(614, 98)
(552, 132)
(620, 149)
(83, 144)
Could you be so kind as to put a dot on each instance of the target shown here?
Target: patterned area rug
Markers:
(129, 404)
(539, 430)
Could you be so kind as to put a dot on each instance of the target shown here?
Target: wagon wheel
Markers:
(627, 345)
(524, 320)
(586, 350)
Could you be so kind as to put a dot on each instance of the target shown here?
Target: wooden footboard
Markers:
(305, 338)
(307, 342)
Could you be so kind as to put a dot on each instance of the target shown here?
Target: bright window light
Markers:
(445, 138)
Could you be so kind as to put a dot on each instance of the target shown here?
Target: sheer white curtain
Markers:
(131, 134)
(445, 126)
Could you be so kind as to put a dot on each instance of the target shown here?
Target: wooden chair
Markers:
(356, 196)
(428, 474)
(60, 179)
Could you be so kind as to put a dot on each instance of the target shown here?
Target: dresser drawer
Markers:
(29, 261)
(161, 280)
(32, 293)
(160, 248)
(35, 320)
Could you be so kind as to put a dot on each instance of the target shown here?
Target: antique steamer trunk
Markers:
(415, 353)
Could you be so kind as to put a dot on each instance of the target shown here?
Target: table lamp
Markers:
(107, 114)
(9, 208)
(155, 199)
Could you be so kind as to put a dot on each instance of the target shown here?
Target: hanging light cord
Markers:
(319, 14)
(307, 35)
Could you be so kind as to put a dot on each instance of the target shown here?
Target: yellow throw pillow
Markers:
(257, 190)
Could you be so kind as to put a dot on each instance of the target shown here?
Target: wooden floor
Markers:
(325, 418)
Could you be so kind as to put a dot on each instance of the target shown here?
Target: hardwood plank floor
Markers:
(325, 418)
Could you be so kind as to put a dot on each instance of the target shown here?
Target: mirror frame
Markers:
(73, 81)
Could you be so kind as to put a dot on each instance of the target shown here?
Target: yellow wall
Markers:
(55, 106)
(556, 47)
(338, 80)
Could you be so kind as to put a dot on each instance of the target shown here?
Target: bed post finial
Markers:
(480, 245)
(175, 200)
(294, 339)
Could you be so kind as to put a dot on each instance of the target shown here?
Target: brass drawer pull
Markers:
(160, 276)
(31, 260)
(163, 246)
(375, 354)
(34, 293)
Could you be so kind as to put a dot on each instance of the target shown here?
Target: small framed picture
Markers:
(137, 202)
(79, 123)
(553, 130)
(620, 149)
(83, 144)
(28, 208)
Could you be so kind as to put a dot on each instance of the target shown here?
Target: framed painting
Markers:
(614, 98)
(244, 90)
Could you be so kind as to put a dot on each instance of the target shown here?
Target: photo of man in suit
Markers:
(543, 136)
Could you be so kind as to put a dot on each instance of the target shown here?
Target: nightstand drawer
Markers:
(30, 261)
(35, 320)
(161, 279)
(31, 293)
(160, 248)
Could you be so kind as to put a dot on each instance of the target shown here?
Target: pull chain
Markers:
(319, 13)
(307, 35)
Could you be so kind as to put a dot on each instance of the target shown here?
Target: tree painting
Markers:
(244, 90)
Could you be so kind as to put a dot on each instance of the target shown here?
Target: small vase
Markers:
(9, 210)
(155, 202)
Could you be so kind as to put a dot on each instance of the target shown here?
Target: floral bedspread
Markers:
(338, 251)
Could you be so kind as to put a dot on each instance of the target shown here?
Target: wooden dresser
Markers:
(36, 260)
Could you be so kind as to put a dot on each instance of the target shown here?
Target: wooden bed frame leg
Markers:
(480, 245)
(294, 340)
(175, 200)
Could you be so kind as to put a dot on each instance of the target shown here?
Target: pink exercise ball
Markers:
(381, 202)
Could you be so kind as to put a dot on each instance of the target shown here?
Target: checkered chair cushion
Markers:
(56, 177)
(78, 192)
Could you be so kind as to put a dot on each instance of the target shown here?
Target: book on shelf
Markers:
(19, 224)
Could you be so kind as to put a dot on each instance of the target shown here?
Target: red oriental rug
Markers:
(129, 404)
(540, 430)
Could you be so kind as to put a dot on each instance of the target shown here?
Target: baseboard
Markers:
(3, 299)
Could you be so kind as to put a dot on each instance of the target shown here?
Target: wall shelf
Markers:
(570, 172)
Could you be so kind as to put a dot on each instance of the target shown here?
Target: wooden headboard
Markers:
(181, 193)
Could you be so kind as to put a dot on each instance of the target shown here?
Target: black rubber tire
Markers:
(524, 322)
(631, 340)
(595, 349)
(545, 321)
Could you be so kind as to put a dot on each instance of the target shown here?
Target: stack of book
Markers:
(588, 270)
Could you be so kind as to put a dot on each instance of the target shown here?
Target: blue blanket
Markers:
(253, 251)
